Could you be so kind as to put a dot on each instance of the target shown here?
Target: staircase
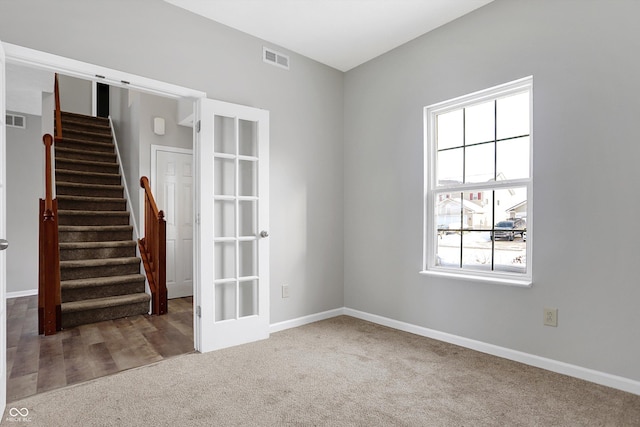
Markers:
(99, 272)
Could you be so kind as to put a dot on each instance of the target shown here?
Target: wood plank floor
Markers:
(36, 363)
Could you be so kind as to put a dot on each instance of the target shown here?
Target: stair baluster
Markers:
(153, 250)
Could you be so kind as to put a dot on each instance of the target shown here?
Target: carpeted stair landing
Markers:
(99, 271)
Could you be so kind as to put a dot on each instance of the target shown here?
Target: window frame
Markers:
(431, 189)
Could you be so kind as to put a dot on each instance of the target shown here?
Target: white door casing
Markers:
(3, 234)
(172, 184)
(232, 191)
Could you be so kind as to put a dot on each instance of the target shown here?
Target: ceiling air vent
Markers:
(272, 57)
(16, 121)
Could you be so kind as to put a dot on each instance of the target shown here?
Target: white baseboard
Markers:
(598, 377)
(18, 294)
(602, 378)
(300, 321)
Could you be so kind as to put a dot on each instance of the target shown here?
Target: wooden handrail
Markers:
(49, 318)
(153, 250)
(58, 117)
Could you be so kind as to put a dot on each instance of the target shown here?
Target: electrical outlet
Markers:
(285, 291)
(551, 317)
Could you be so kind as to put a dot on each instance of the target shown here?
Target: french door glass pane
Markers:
(247, 217)
(248, 258)
(224, 218)
(248, 298)
(224, 177)
(449, 128)
(248, 185)
(479, 123)
(513, 158)
(479, 163)
(225, 295)
(224, 137)
(513, 116)
(248, 138)
(225, 260)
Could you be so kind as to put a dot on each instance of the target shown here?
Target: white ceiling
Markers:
(340, 33)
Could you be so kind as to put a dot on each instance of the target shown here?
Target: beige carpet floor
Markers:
(338, 372)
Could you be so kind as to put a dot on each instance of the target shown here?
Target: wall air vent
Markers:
(16, 121)
(272, 57)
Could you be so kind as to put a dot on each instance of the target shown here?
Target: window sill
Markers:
(508, 281)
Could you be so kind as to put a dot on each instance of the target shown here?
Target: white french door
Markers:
(3, 234)
(232, 247)
(172, 183)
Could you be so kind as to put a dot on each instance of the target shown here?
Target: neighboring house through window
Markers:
(478, 185)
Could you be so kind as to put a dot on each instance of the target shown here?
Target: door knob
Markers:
(264, 233)
(3, 244)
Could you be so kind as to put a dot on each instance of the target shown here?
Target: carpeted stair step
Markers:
(94, 233)
(89, 190)
(84, 203)
(70, 251)
(81, 118)
(88, 268)
(93, 156)
(78, 144)
(86, 166)
(87, 177)
(79, 217)
(87, 136)
(98, 309)
(76, 126)
(86, 289)
(89, 123)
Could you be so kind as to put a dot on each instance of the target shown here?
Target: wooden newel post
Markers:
(162, 262)
(49, 319)
(153, 250)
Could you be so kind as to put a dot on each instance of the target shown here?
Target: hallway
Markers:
(36, 363)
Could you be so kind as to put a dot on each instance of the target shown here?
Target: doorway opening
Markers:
(87, 351)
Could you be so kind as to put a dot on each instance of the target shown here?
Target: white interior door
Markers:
(173, 187)
(3, 234)
(232, 178)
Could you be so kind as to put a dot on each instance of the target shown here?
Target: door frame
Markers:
(3, 229)
(154, 189)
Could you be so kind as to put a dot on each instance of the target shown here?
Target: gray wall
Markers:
(25, 178)
(124, 109)
(583, 56)
(160, 41)
(132, 114)
(75, 95)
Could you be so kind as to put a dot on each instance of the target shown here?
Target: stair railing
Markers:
(49, 314)
(153, 250)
